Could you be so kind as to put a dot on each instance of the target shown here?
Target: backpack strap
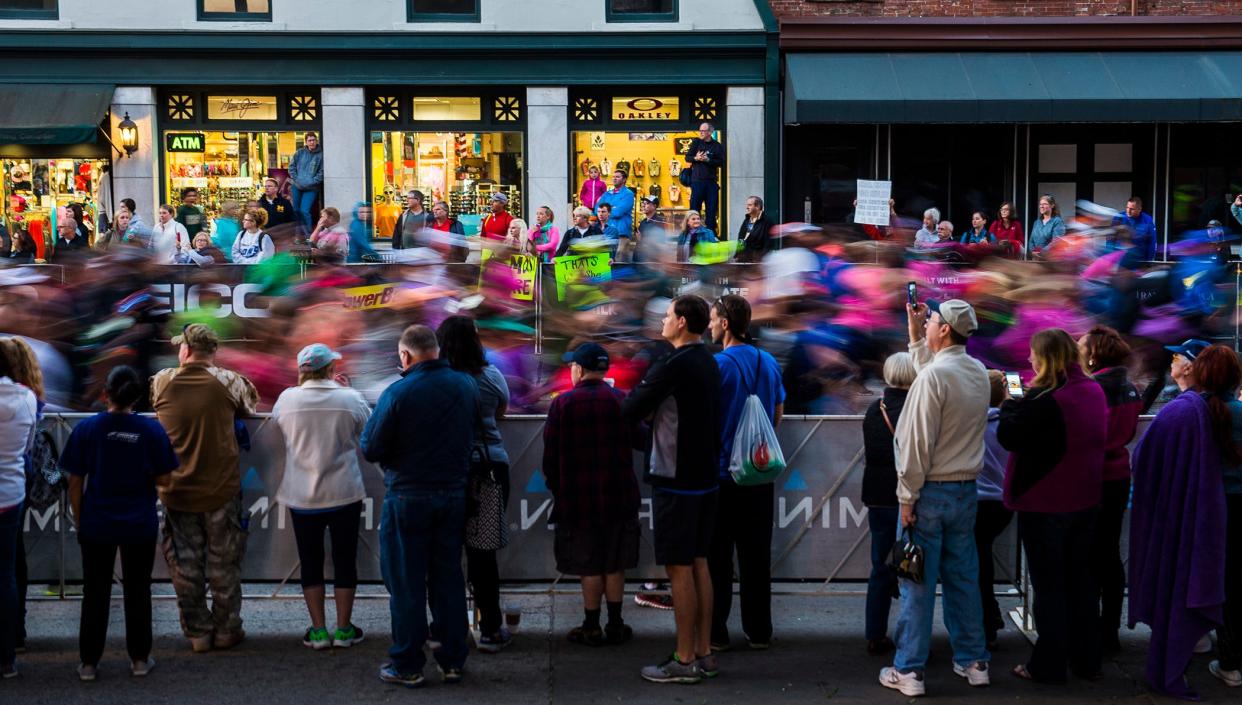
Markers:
(887, 421)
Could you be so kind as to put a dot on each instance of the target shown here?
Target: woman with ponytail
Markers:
(114, 460)
(1178, 558)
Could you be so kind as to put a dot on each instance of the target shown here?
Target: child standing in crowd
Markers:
(113, 460)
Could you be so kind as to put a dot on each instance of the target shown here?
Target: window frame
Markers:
(610, 15)
(19, 14)
(412, 15)
(205, 16)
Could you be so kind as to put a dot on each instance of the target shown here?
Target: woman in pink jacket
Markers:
(544, 237)
(592, 189)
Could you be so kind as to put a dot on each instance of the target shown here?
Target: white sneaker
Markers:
(86, 673)
(1204, 645)
(976, 674)
(139, 669)
(908, 684)
(1233, 679)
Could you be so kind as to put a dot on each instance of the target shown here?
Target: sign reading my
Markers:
(185, 142)
(241, 107)
(645, 108)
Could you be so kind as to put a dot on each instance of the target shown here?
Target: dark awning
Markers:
(33, 113)
(1000, 87)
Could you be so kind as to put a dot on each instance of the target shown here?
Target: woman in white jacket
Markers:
(252, 245)
(168, 237)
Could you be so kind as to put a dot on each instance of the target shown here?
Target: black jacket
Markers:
(710, 169)
(880, 474)
(279, 211)
(572, 234)
(424, 220)
(753, 248)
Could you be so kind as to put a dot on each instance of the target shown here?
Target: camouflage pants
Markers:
(206, 549)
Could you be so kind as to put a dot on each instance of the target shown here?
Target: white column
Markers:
(344, 147)
(744, 153)
(136, 176)
(547, 153)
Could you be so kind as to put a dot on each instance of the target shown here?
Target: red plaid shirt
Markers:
(588, 457)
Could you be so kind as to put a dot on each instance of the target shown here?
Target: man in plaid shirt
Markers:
(589, 465)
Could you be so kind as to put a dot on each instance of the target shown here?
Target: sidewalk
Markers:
(817, 657)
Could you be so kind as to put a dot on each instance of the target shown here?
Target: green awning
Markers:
(33, 113)
(996, 87)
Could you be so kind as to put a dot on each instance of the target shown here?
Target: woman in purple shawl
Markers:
(1177, 526)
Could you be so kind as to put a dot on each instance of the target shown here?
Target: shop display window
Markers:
(430, 109)
(36, 191)
(1205, 178)
(226, 166)
(29, 9)
(461, 168)
(641, 10)
(653, 160)
(234, 10)
(443, 10)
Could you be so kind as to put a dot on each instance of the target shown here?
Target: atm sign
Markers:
(185, 142)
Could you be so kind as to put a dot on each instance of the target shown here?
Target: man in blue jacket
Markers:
(620, 200)
(306, 175)
(421, 434)
(1142, 227)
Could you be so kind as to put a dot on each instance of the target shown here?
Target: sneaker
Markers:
(347, 637)
(140, 669)
(1204, 645)
(317, 638)
(432, 645)
(1233, 679)
(8, 671)
(200, 644)
(754, 645)
(617, 634)
(908, 684)
(494, 643)
(452, 676)
(976, 674)
(719, 647)
(708, 666)
(657, 601)
(86, 673)
(228, 641)
(388, 674)
(673, 671)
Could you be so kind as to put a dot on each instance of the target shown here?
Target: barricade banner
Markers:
(525, 270)
(581, 270)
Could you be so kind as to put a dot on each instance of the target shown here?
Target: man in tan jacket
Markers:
(938, 444)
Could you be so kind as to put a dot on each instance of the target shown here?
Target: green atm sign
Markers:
(185, 142)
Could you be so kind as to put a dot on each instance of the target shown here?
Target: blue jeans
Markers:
(303, 202)
(883, 524)
(705, 198)
(945, 529)
(10, 524)
(421, 533)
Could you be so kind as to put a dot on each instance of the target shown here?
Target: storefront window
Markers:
(653, 161)
(443, 10)
(461, 168)
(235, 10)
(1205, 177)
(822, 168)
(28, 9)
(642, 10)
(970, 169)
(446, 108)
(226, 166)
(35, 191)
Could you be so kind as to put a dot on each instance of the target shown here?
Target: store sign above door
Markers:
(185, 142)
(241, 107)
(644, 108)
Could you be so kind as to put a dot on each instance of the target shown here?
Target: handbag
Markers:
(45, 480)
(686, 174)
(486, 529)
(907, 558)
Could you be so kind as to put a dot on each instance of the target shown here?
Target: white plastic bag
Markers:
(757, 458)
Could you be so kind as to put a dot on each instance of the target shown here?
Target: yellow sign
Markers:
(241, 107)
(645, 108)
(361, 298)
(598, 142)
(525, 268)
(582, 270)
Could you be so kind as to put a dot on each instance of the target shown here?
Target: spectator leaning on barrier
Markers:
(252, 245)
(19, 409)
(879, 493)
(412, 220)
(421, 434)
(168, 237)
(754, 233)
(190, 214)
(681, 396)
(495, 225)
(992, 517)
(198, 404)
(1142, 228)
(939, 449)
(588, 463)
(118, 456)
(926, 235)
(744, 515)
(321, 422)
(1048, 225)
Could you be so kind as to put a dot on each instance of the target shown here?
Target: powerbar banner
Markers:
(361, 298)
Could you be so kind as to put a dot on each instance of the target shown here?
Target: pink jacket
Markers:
(591, 191)
(545, 250)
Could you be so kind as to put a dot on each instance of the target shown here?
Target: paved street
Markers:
(817, 657)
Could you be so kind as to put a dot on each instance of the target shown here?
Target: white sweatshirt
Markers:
(253, 248)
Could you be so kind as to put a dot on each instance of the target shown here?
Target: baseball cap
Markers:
(1190, 349)
(590, 357)
(498, 196)
(316, 356)
(653, 200)
(957, 313)
(198, 336)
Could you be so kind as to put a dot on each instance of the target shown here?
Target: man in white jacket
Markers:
(938, 445)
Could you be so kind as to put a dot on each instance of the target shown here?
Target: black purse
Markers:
(907, 558)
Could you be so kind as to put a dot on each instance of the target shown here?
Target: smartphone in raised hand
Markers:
(1013, 382)
(912, 294)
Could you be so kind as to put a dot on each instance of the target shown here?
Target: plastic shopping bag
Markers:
(757, 458)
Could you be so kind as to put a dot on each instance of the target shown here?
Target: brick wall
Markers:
(1000, 8)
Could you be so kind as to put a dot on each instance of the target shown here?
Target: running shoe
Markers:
(347, 637)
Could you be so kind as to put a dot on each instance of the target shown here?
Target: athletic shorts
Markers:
(597, 550)
(683, 526)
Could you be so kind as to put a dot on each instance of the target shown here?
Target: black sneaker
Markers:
(494, 643)
(388, 674)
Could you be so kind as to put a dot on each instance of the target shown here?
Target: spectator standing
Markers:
(205, 531)
(136, 222)
(583, 228)
(706, 159)
(939, 449)
(753, 235)
(453, 246)
(927, 234)
(992, 516)
(203, 252)
(118, 456)
(278, 208)
(681, 396)
(944, 233)
(544, 236)
(227, 226)
(744, 514)
(421, 434)
(978, 233)
(411, 221)
(620, 200)
(1228, 664)
(24, 369)
(592, 189)
(458, 337)
(1048, 225)
(1103, 354)
(69, 238)
(588, 463)
(1182, 366)
(1179, 519)
(115, 235)
(168, 237)
(1236, 208)
(190, 214)
(495, 225)
(879, 493)
(1008, 227)
(653, 231)
(24, 249)
(694, 233)
(252, 245)
(1056, 436)
(361, 232)
(306, 178)
(19, 408)
(1141, 226)
(321, 422)
(330, 239)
